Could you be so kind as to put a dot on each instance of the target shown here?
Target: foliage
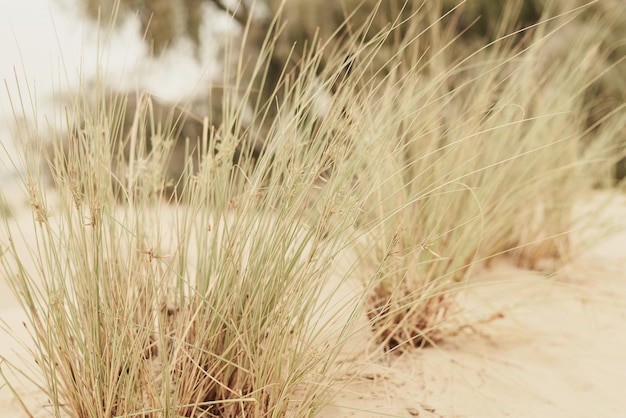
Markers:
(381, 143)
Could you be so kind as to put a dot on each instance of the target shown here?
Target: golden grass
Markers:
(424, 167)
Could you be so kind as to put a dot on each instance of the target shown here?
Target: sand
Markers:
(538, 347)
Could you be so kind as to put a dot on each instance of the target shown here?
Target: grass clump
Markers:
(486, 155)
(209, 306)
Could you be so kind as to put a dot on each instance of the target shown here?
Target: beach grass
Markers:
(357, 201)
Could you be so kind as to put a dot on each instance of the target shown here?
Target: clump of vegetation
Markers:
(207, 308)
(385, 146)
(487, 155)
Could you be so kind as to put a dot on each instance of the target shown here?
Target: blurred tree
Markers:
(487, 19)
(163, 21)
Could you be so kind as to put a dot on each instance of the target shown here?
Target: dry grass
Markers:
(423, 163)
(206, 308)
(485, 155)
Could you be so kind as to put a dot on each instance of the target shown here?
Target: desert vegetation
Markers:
(349, 186)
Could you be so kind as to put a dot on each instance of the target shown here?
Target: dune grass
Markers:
(208, 306)
(489, 154)
(222, 298)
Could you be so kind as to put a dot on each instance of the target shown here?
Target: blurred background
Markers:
(177, 49)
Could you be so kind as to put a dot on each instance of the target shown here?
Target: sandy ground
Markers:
(539, 347)
(556, 349)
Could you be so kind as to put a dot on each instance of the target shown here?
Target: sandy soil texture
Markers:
(540, 347)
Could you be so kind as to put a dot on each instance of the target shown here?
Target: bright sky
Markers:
(46, 45)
